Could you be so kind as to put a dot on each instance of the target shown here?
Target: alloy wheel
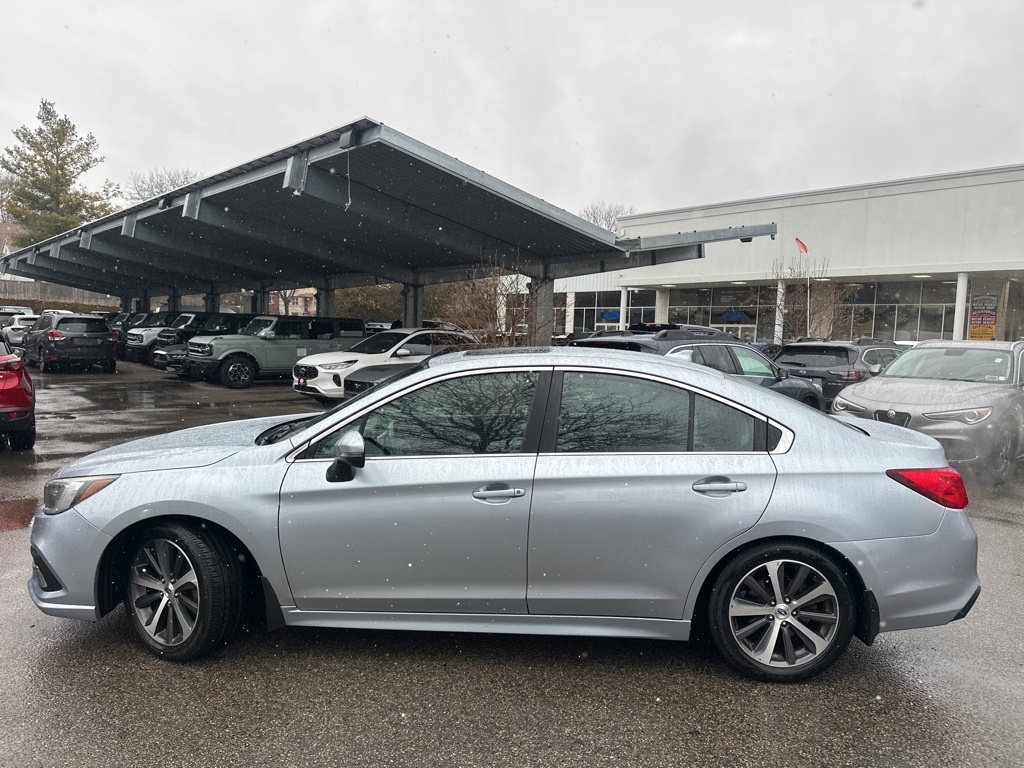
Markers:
(164, 592)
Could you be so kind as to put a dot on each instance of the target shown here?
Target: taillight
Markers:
(54, 335)
(14, 364)
(112, 336)
(851, 374)
(944, 485)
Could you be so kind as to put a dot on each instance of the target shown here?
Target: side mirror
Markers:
(781, 373)
(875, 369)
(19, 351)
(267, 333)
(350, 454)
(402, 353)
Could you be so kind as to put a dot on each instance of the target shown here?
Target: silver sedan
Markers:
(968, 395)
(561, 491)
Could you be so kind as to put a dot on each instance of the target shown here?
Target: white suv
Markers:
(323, 376)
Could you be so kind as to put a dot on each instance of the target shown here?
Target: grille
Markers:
(898, 418)
(306, 372)
(134, 338)
(202, 350)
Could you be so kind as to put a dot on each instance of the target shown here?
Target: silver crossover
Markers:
(562, 491)
(968, 395)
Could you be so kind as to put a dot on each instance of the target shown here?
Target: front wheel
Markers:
(1004, 456)
(183, 591)
(781, 612)
(237, 372)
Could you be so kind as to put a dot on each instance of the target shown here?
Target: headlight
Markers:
(964, 415)
(338, 366)
(839, 405)
(61, 495)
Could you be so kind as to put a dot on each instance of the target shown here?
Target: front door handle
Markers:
(498, 493)
(718, 487)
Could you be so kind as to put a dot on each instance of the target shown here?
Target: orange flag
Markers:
(800, 246)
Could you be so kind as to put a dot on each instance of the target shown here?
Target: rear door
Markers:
(638, 481)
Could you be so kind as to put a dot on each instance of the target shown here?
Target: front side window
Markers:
(481, 414)
(751, 363)
(257, 325)
(607, 413)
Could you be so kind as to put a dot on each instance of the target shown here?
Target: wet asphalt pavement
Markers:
(82, 694)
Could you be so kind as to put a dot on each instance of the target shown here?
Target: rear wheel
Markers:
(781, 612)
(183, 591)
(237, 372)
(110, 366)
(45, 366)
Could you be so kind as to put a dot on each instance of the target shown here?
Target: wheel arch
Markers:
(865, 610)
(239, 353)
(262, 598)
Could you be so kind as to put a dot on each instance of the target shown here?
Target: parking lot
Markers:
(81, 694)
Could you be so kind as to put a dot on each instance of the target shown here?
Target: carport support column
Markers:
(960, 308)
(144, 302)
(174, 300)
(126, 303)
(325, 301)
(211, 300)
(542, 311)
(661, 305)
(260, 301)
(623, 308)
(412, 305)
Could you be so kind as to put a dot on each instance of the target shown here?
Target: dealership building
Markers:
(932, 257)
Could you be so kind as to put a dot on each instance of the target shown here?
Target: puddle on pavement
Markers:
(16, 513)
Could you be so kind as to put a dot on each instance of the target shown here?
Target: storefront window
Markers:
(885, 322)
(899, 293)
(863, 320)
(931, 322)
(935, 292)
(861, 293)
(906, 322)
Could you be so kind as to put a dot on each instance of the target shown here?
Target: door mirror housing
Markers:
(781, 373)
(19, 351)
(875, 369)
(349, 455)
(402, 352)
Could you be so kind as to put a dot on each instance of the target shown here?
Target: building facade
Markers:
(933, 257)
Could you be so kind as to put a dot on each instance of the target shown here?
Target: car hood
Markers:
(326, 358)
(185, 448)
(894, 392)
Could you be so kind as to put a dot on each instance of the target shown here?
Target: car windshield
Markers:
(257, 325)
(952, 364)
(813, 357)
(182, 321)
(379, 343)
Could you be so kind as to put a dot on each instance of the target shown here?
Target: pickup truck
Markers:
(268, 346)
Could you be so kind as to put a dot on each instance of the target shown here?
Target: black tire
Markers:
(149, 355)
(783, 641)
(237, 372)
(182, 620)
(110, 366)
(45, 366)
(1004, 456)
(24, 439)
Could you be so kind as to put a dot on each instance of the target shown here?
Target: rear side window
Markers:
(606, 413)
(715, 356)
(291, 329)
(81, 325)
(814, 357)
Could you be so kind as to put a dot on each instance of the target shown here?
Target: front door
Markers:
(436, 520)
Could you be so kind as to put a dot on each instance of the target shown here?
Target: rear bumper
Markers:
(17, 419)
(920, 581)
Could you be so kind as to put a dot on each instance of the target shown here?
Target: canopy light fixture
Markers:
(920, 277)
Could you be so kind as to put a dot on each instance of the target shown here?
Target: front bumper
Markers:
(329, 384)
(66, 552)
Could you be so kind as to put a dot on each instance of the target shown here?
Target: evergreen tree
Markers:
(46, 163)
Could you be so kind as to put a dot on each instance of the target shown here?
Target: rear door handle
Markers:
(718, 487)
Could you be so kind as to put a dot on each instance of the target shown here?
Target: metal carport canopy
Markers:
(358, 205)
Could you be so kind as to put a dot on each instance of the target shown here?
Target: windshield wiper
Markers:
(280, 431)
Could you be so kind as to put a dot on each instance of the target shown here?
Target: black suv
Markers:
(834, 364)
(70, 339)
(715, 349)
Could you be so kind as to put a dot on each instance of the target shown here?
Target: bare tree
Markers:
(813, 304)
(605, 214)
(494, 304)
(145, 185)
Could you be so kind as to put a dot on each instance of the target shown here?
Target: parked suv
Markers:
(17, 400)
(142, 341)
(14, 331)
(70, 339)
(715, 349)
(172, 343)
(835, 364)
(269, 346)
(323, 376)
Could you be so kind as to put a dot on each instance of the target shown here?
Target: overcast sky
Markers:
(657, 105)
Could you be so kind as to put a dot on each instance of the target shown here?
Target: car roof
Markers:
(969, 344)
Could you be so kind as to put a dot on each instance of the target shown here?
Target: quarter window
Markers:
(605, 413)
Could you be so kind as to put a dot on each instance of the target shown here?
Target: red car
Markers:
(17, 401)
